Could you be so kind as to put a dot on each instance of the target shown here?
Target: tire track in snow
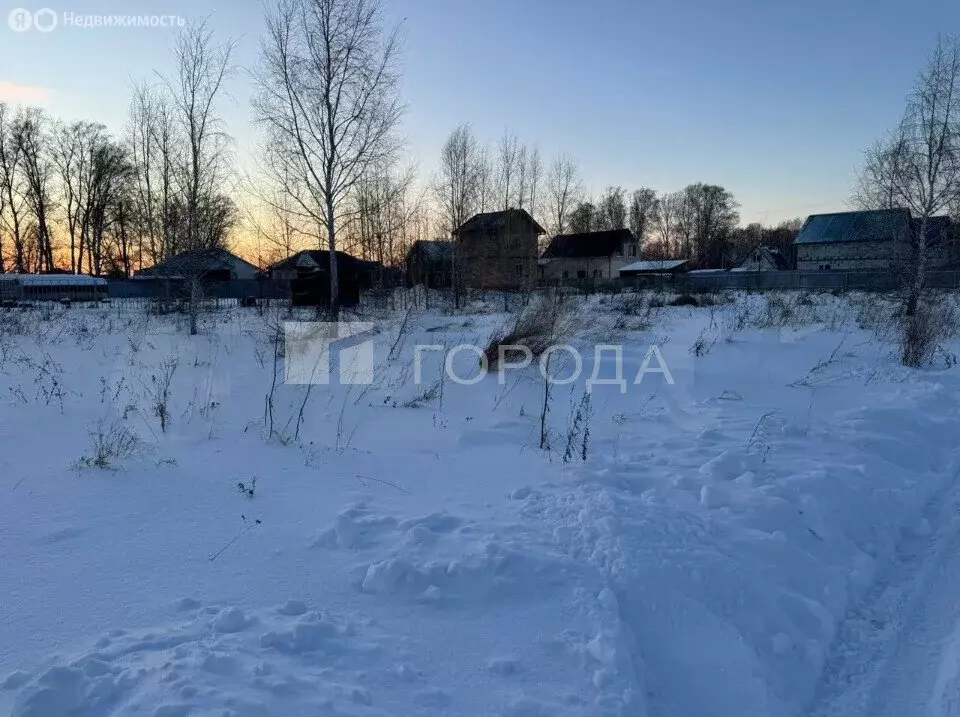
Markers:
(898, 651)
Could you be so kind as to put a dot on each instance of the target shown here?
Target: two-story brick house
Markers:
(877, 240)
(498, 250)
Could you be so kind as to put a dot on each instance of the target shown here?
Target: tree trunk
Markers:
(334, 273)
(920, 270)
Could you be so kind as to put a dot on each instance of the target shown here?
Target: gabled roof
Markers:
(197, 259)
(320, 259)
(434, 250)
(773, 256)
(588, 244)
(870, 225)
(491, 221)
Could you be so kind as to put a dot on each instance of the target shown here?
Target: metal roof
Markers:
(588, 244)
(54, 279)
(872, 225)
(492, 221)
(659, 265)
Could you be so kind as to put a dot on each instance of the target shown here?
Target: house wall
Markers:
(853, 256)
(609, 267)
(433, 274)
(505, 259)
(758, 261)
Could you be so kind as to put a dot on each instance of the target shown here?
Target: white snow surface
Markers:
(767, 536)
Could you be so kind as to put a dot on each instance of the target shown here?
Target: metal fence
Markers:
(762, 281)
(235, 289)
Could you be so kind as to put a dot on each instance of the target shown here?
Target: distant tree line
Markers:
(330, 171)
(76, 197)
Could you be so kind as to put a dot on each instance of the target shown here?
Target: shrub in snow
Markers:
(685, 300)
(547, 320)
(921, 334)
(111, 443)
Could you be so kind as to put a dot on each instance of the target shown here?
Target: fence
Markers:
(762, 281)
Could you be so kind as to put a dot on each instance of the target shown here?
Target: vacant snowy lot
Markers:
(182, 533)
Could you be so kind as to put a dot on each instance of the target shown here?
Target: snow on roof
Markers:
(54, 279)
(708, 271)
(659, 265)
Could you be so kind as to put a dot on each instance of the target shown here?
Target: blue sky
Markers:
(775, 100)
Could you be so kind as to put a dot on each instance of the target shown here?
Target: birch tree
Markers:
(329, 101)
(917, 166)
(563, 190)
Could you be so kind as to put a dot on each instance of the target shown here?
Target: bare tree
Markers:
(534, 176)
(202, 67)
(917, 166)
(485, 181)
(508, 152)
(612, 211)
(563, 190)
(154, 154)
(31, 135)
(583, 218)
(459, 185)
(642, 210)
(665, 220)
(329, 98)
(13, 204)
(709, 215)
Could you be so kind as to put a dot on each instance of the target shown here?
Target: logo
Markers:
(310, 348)
(43, 20)
(20, 20)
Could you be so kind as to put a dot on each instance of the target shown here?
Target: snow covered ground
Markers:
(772, 534)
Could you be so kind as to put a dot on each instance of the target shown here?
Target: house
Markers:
(657, 266)
(764, 258)
(210, 264)
(430, 263)
(498, 250)
(877, 240)
(306, 277)
(594, 255)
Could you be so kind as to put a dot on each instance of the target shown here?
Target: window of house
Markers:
(597, 274)
(828, 267)
(581, 274)
(633, 250)
(566, 274)
(519, 270)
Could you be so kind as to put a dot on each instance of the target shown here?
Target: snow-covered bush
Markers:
(921, 334)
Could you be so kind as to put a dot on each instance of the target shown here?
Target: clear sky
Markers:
(775, 100)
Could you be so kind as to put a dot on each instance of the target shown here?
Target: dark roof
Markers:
(197, 259)
(871, 225)
(588, 244)
(655, 266)
(491, 221)
(433, 250)
(320, 258)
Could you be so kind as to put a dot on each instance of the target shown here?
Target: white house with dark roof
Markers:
(590, 255)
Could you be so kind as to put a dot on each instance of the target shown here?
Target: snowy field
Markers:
(771, 531)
